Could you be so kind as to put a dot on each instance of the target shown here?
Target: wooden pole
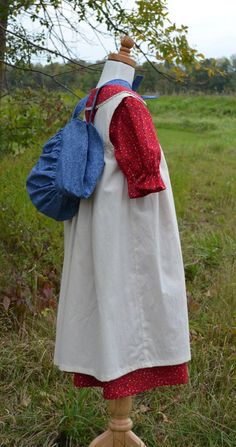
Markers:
(119, 432)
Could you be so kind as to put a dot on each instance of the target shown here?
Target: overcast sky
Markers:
(212, 24)
(212, 30)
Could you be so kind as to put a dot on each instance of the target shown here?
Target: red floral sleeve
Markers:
(136, 147)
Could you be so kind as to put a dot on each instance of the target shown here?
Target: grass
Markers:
(39, 405)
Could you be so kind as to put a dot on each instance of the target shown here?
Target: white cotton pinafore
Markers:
(122, 303)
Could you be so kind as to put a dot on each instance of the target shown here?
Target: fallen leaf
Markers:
(165, 418)
(52, 302)
(144, 408)
(26, 401)
(47, 290)
(6, 302)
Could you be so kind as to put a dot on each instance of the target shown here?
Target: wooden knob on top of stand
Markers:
(124, 54)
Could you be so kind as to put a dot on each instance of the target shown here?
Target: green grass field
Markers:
(38, 404)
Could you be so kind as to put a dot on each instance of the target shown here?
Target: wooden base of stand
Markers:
(119, 432)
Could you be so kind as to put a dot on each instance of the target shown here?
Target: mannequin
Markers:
(119, 432)
(122, 317)
(116, 70)
(122, 70)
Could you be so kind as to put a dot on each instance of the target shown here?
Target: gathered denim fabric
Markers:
(68, 168)
(70, 165)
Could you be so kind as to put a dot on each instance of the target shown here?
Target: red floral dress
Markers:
(132, 128)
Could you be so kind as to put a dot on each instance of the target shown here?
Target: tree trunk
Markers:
(4, 10)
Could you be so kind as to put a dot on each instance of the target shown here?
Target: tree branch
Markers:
(56, 53)
(121, 31)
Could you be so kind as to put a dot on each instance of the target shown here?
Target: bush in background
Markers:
(25, 113)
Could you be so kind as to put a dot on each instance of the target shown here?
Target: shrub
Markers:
(24, 114)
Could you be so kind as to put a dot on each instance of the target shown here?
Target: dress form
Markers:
(116, 70)
(119, 434)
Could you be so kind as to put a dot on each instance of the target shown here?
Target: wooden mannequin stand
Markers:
(119, 432)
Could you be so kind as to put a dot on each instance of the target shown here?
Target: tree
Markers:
(4, 11)
(147, 22)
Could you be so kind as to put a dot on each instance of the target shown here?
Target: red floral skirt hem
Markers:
(136, 381)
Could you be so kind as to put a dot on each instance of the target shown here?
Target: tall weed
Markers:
(23, 116)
